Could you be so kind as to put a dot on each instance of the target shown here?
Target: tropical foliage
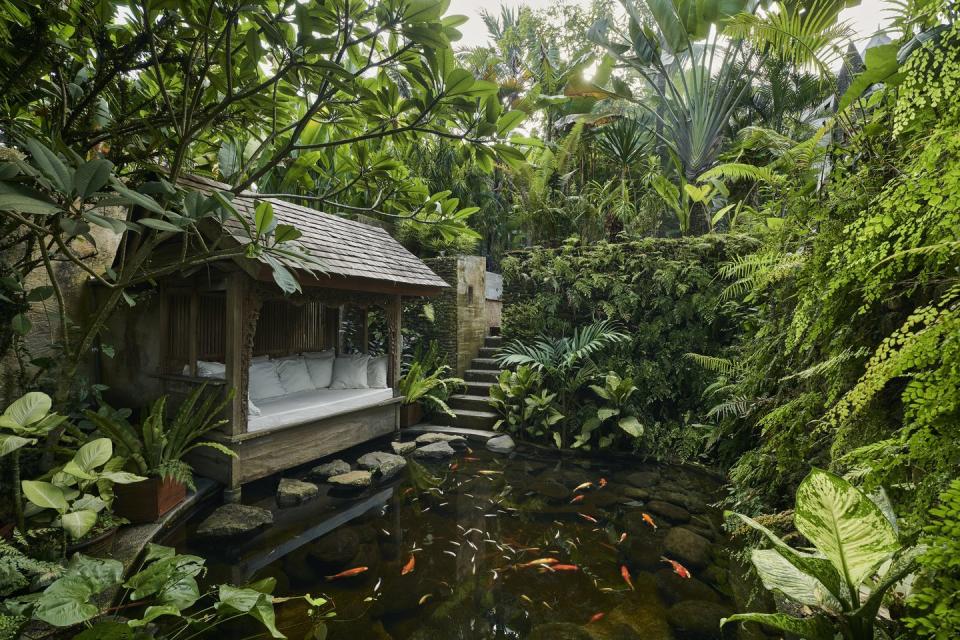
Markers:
(428, 387)
(156, 448)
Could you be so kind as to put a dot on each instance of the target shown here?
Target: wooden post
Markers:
(365, 330)
(193, 337)
(236, 346)
(394, 311)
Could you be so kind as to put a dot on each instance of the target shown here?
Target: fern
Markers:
(738, 171)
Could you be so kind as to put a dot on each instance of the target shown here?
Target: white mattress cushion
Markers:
(320, 367)
(308, 406)
(350, 372)
(206, 369)
(264, 381)
(252, 409)
(294, 375)
(377, 372)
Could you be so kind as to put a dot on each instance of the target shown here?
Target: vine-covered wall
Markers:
(663, 292)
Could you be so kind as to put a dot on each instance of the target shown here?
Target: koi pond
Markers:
(485, 545)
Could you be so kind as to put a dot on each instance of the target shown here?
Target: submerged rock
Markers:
(501, 444)
(643, 479)
(332, 468)
(673, 588)
(433, 438)
(435, 451)
(673, 513)
(386, 464)
(691, 549)
(638, 620)
(234, 520)
(353, 479)
(292, 492)
(698, 619)
(559, 631)
(334, 551)
(551, 489)
(641, 552)
(636, 493)
(403, 448)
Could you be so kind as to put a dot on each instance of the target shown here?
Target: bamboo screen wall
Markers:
(203, 322)
(285, 329)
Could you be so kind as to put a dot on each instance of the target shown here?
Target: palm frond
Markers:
(736, 171)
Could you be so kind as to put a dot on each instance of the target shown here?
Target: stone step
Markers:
(485, 363)
(465, 401)
(494, 342)
(479, 388)
(480, 375)
(467, 419)
(488, 352)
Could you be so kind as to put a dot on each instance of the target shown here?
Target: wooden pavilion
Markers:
(233, 313)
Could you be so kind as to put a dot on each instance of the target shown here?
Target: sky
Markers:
(865, 18)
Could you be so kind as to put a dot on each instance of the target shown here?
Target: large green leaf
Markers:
(14, 197)
(91, 176)
(814, 628)
(28, 409)
(252, 602)
(68, 600)
(51, 166)
(818, 567)
(844, 524)
(44, 495)
(631, 425)
(10, 443)
(93, 454)
(778, 574)
(78, 523)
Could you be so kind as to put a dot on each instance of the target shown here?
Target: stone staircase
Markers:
(471, 407)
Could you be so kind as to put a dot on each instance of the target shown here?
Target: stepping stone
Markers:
(233, 520)
(292, 492)
(673, 513)
(501, 444)
(332, 468)
(432, 438)
(352, 479)
(403, 448)
(435, 451)
(386, 464)
(688, 547)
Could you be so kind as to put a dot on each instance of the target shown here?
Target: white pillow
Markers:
(294, 375)
(377, 373)
(320, 367)
(264, 381)
(350, 372)
(207, 369)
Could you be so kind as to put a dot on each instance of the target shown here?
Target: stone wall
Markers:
(456, 318)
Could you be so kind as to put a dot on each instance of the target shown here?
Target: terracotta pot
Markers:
(98, 546)
(410, 414)
(146, 501)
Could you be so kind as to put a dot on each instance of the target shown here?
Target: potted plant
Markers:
(419, 389)
(156, 449)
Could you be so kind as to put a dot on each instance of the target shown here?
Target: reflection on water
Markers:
(485, 546)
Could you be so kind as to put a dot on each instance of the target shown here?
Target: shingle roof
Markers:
(344, 247)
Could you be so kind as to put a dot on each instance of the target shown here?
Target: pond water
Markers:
(519, 546)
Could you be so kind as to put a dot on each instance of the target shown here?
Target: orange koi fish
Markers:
(565, 567)
(582, 486)
(602, 483)
(595, 617)
(539, 562)
(678, 568)
(349, 573)
(411, 563)
(577, 498)
(649, 520)
(587, 518)
(469, 459)
(623, 536)
(453, 466)
(625, 574)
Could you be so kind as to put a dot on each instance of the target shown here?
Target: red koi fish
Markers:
(349, 573)
(625, 574)
(596, 617)
(678, 568)
(577, 498)
(411, 563)
(453, 466)
(587, 518)
(602, 483)
(649, 520)
(565, 567)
